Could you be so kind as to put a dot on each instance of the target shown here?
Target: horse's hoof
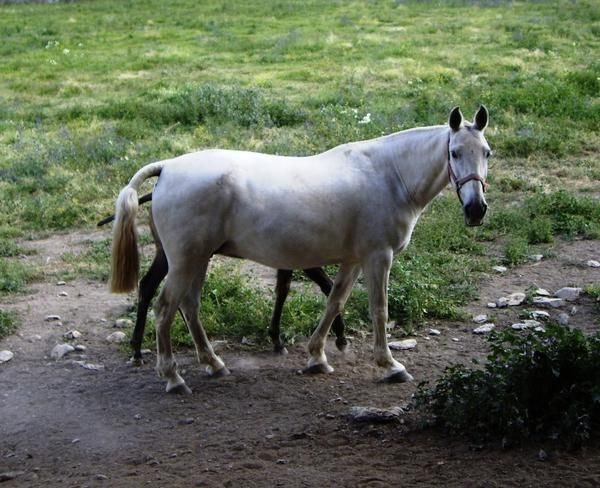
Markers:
(318, 368)
(219, 373)
(180, 389)
(401, 376)
(280, 350)
(341, 343)
(136, 362)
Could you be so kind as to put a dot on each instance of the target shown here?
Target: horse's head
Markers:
(468, 154)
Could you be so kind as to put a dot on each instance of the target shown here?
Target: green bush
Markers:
(542, 385)
(8, 323)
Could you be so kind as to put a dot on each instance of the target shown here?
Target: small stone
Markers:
(61, 350)
(548, 302)
(247, 342)
(75, 441)
(123, 323)
(90, 366)
(480, 319)
(61, 283)
(6, 356)
(80, 348)
(372, 414)
(563, 319)
(540, 315)
(34, 338)
(502, 302)
(63, 294)
(72, 334)
(491, 305)
(536, 257)
(542, 292)
(568, 293)
(500, 269)
(10, 475)
(101, 477)
(186, 421)
(573, 310)
(592, 263)
(542, 455)
(455, 339)
(403, 345)
(434, 332)
(515, 299)
(116, 337)
(526, 324)
(137, 416)
(52, 318)
(484, 329)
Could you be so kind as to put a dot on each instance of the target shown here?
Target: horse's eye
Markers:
(453, 154)
(488, 154)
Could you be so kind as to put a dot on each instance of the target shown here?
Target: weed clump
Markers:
(544, 385)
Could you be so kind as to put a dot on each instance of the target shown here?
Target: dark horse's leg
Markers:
(148, 286)
(320, 278)
(284, 279)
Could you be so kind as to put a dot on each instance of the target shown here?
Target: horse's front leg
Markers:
(376, 273)
(342, 287)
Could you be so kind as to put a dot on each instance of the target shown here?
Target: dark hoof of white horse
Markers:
(318, 368)
(341, 343)
(180, 389)
(220, 373)
(398, 377)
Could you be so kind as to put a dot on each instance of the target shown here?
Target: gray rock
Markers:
(484, 329)
(123, 323)
(502, 302)
(61, 350)
(480, 319)
(536, 257)
(434, 332)
(540, 315)
(63, 294)
(116, 337)
(52, 318)
(90, 366)
(542, 292)
(6, 356)
(372, 414)
(72, 334)
(61, 283)
(526, 324)
(491, 305)
(592, 263)
(403, 345)
(10, 475)
(568, 293)
(80, 348)
(516, 299)
(548, 302)
(500, 269)
(563, 318)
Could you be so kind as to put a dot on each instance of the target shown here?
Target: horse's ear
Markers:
(456, 118)
(480, 121)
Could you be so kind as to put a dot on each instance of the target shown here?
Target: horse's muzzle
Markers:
(474, 212)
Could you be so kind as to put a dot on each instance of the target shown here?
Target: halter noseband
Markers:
(459, 183)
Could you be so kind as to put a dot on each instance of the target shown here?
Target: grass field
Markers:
(92, 90)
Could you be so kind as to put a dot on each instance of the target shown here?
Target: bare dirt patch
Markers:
(265, 425)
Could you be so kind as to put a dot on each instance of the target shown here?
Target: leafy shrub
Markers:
(7, 323)
(536, 386)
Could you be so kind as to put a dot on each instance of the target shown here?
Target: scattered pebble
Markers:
(116, 337)
(80, 348)
(484, 329)
(542, 455)
(90, 366)
(540, 315)
(526, 324)
(52, 318)
(372, 414)
(542, 292)
(456, 339)
(592, 263)
(61, 283)
(502, 302)
(563, 319)
(403, 345)
(60, 350)
(516, 299)
(568, 293)
(137, 416)
(480, 319)
(500, 269)
(123, 323)
(548, 302)
(72, 334)
(536, 257)
(247, 342)
(491, 305)
(434, 332)
(6, 356)
(63, 294)
(10, 475)
(101, 477)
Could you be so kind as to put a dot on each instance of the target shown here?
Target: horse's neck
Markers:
(419, 158)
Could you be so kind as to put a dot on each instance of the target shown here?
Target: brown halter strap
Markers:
(459, 183)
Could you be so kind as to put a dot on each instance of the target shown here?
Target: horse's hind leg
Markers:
(284, 279)
(166, 307)
(342, 287)
(319, 276)
(148, 286)
(189, 310)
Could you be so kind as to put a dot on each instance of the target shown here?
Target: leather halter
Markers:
(460, 182)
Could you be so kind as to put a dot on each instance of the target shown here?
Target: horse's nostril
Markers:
(475, 210)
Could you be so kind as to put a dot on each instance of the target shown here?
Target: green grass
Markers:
(8, 323)
(91, 91)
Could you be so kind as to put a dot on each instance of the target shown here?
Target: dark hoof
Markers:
(398, 377)
(180, 389)
(220, 373)
(137, 362)
(341, 343)
(318, 369)
(280, 350)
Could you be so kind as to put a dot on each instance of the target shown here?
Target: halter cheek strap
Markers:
(459, 183)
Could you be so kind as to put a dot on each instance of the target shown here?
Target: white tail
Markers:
(125, 256)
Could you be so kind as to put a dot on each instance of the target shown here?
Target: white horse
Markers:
(354, 205)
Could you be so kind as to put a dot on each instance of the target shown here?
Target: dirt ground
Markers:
(265, 425)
